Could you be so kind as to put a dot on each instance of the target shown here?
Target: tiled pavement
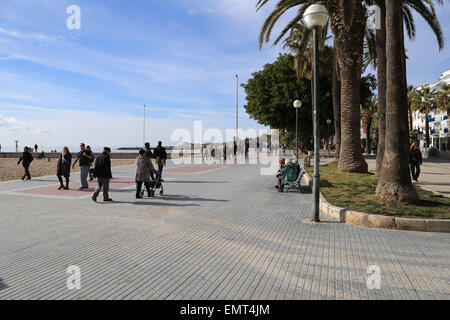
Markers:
(219, 234)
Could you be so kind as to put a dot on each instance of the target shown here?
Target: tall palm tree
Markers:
(443, 98)
(369, 111)
(395, 180)
(377, 57)
(424, 101)
(410, 117)
(348, 24)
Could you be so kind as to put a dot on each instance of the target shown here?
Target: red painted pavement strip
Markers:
(118, 183)
(191, 169)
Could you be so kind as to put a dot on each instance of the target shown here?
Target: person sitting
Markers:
(282, 163)
(288, 174)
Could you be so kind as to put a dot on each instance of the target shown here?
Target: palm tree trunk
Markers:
(349, 43)
(381, 54)
(368, 139)
(395, 180)
(405, 78)
(337, 107)
(427, 127)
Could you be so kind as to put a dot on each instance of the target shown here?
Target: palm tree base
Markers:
(400, 193)
(353, 166)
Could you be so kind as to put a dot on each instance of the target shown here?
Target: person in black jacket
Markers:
(160, 158)
(26, 160)
(102, 171)
(415, 160)
(149, 154)
(63, 168)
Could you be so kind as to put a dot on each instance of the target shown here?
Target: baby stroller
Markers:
(155, 184)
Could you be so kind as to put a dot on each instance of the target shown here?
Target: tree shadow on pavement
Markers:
(2, 285)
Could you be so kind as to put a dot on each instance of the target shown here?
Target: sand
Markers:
(10, 171)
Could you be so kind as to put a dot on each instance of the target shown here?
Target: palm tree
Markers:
(410, 117)
(377, 56)
(424, 101)
(395, 180)
(443, 98)
(369, 111)
(348, 24)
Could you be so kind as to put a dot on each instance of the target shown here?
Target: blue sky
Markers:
(60, 86)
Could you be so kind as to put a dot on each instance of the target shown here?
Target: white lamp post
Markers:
(316, 18)
(297, 105)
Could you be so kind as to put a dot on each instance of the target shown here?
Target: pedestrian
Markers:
(102, 171)
(149, 154)
(160, 158)
(91, 161)
(26, 160)
(84, 157)
(142, 173)
(224, 151)
(63, 168)
(415, 160)
(247, 147)
(35, 148)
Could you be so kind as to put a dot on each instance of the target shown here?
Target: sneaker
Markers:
(138, 197)
(61, 187)
(108, 200)
(94, 199)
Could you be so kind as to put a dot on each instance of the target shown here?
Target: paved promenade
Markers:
(219, 232)
(434, 176)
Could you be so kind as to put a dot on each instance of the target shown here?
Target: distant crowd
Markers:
(100, 168)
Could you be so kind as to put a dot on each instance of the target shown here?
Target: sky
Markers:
(61, 86)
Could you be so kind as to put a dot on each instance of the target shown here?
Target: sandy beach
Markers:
(9, 170)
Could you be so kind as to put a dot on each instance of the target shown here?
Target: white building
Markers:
(438, 119)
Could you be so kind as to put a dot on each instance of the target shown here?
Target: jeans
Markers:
(102, 183)
(84, 171)
(415, 170)
(160, 169)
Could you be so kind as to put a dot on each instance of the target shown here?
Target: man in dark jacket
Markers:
(26, 160)
(415, 160)
(160, 157)
(102, 171)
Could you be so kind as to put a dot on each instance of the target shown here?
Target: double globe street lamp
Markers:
(316, 17)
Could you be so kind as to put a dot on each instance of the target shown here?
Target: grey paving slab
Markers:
(221, 234)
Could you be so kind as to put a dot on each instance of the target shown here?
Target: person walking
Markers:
(26, 160)
(149, 154)
(35, 147)
(102, 171)
(91, 161)
(160, 158)
(415, 160)
(63, 168)
(84, 157)
(246, 148)
(142, 173)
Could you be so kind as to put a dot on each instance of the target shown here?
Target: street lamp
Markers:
(316, 18)
(297, 105)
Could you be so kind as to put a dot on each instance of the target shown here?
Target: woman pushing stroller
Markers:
(144, 168)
